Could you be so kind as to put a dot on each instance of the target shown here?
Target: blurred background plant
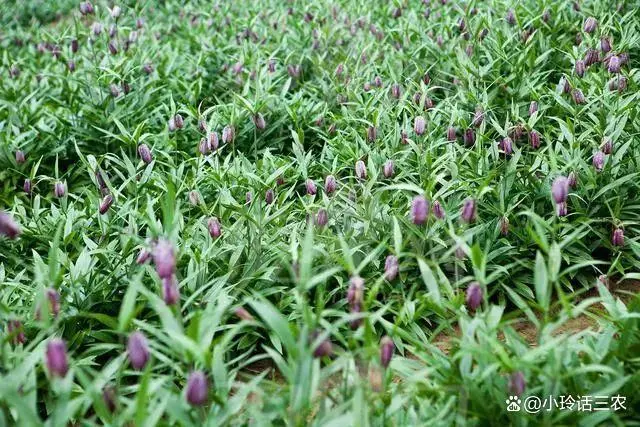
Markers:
(167, 165)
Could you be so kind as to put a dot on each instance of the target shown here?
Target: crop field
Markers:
(321, 212)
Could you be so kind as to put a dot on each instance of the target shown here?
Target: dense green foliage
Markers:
(336, 83)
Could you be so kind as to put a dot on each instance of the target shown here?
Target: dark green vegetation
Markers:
(282, 313)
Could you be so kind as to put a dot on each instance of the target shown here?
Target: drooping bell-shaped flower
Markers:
(617, 239)
(386, 351)
(137, 350)
(164, 258)
(468, 212)
(56, 358)
(197, 391)
(214, 227)
(170, 290)
(391, 267)
(474, 296)
(8, 226)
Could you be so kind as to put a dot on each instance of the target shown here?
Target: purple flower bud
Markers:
(438, 211)
(460, 252)
(451, 134)
(533, 108)
(147, 68)
(324, 349)
(511, 17)
(578, 97)
(15, 331)
(96, 28)
(115, 12)
(478, 117)
(197, 391)
(622, 83)
(170, 290)
(164, 257)
(468, 213)
(271, 66)
(483, 34)
(269, 196)
(560, 189)
(137, 350)
(113, 49)
(139, 23)
(605, 44)
(579, 68)
(228, 134)
(419, 210)
(214, 227)
(203, 147)
(20, 158)
(474, 296)
(534, 139)
(145, 153)
(367, 87)
(329, 184)
(361, 170)
(598, 161)
(462, 25)
(372, 133)
(506, 146)
(71, 65)
(310, 187)
(322, 218)
(469, 137)
(355, 293)
(59, 189)
(386, 351)
(617, 238)
(194, 197)
(572, 180)
(624, 58)
(212, 141)
(391, 267)
(387, 169)
(591, 57)
(561, 209)
(504, 225)
(517, 384)
(395, 91)
(74, 46)
(105, 204)
(27, 186)
(243, 314)
(178, 121)
(426, 78)
(248, 197)
(339, 69)
(143, 256)
(259, 122)
(607, 146)
(86, 8)
(590, 25)
(377, 81)
(56, 358)
(419, 125)
(614, 65)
